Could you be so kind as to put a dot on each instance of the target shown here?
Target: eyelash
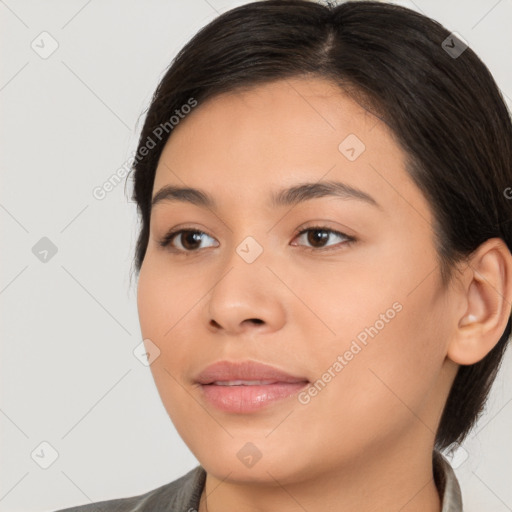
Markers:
(166, 240)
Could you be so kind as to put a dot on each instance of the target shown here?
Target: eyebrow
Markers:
(285, 197)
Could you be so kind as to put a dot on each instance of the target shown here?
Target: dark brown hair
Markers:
(443, 108)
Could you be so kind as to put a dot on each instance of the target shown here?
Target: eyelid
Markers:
(326, 224)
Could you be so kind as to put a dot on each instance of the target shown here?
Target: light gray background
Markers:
(69, 326)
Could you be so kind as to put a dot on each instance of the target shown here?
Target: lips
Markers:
(245, 373)
(247, 386)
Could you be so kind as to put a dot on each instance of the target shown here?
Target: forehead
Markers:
(277, 134)
(276, 116)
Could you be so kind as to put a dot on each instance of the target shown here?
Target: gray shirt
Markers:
(183, 494)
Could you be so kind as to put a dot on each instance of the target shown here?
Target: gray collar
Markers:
(447, 484)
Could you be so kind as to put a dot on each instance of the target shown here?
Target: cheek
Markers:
(166, 303)
(344, 301)
(163, 302)
(384, 350)
(388, 369)
(164, 297)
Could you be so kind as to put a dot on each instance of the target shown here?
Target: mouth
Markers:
(247, 386)
(243, 382)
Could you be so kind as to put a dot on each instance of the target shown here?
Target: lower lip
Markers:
(242, 399)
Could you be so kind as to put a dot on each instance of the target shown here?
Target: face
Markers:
(334, 287)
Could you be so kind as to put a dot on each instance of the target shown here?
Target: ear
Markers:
(488, 295)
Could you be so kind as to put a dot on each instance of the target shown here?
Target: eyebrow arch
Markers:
(285, 197)
(306, 191)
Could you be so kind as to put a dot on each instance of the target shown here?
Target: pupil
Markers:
(191, 236)
(316, 236)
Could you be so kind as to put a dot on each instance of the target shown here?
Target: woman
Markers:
(324, 273)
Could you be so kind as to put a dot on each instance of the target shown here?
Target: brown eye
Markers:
(185, 240)
(318, 237)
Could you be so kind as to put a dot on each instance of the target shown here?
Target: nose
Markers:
(246, 297)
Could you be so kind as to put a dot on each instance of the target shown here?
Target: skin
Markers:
(365, 441)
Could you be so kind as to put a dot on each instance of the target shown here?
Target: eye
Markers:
(319, 236)
(191, 240)
(187, 240)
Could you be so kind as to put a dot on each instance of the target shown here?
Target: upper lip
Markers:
(244, 370)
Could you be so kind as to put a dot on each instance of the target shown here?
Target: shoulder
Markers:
(181, 494)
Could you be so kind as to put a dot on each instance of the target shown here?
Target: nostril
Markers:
(215, 324)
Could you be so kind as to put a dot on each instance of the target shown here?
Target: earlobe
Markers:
(488, 290)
